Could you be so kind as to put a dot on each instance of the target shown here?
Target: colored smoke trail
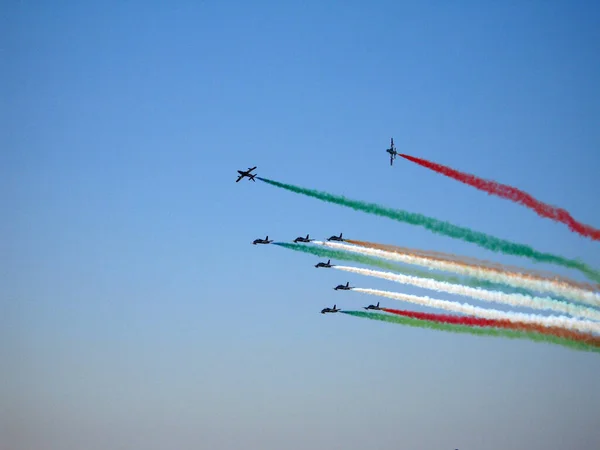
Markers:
(480, 264)
(481, 294)
(546, 321)
(376, 262)
(513, 279)
(513, 194)
(443, 228)
(488, 323)
(511, 334)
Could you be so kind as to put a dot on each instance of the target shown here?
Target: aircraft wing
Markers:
(239, 178)
(251, 169)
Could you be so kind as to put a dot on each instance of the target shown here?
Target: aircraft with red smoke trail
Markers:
(392, 151)
(372, 307)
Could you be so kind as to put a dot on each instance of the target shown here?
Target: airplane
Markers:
(262, 241)
(336, 238)
(372, 306)
(322, 264)
(301, 239)
(246, 174)
(342, 287)
(329, 310)
(392, 151)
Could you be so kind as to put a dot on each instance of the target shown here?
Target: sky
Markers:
(134, 311)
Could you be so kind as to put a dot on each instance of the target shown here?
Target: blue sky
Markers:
(135, 313)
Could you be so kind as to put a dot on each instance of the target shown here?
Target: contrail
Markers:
(488, 323)
(444, 228)
(496, 276)
(480, 264)
(377, 262)
(511, 334)
(481, 294)
(547, 321)
(514, 194)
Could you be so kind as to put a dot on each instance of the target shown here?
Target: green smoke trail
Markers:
(376, 262)
(510, 334)
(444, 228)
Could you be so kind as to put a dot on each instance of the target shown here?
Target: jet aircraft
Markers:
(322, 264)
(392, 151)
(262, 241)
(302, 239)
(343, 287)
(372, 306)
(336, 238)
(329, 310)
(246, 174)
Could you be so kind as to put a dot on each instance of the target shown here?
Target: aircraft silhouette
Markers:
(336, 238)
(301, 239)
(246, 174)
(262, 241)
(392, 151)
(372, 306)
(329, 310)
(343, 287)
(322, 264)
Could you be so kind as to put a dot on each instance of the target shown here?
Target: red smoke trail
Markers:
(490, 323)
(514, 194)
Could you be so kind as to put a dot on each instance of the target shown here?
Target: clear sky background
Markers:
(134, 313)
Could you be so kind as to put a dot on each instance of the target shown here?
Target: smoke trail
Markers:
(488, 323)
(547, 321)
(510, 334)
(517, 280)
(480, 294)
(376, 262)
(480, 264)
(443, 228)
(513, 194)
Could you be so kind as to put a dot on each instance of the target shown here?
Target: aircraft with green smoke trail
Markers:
(262, 241)
(246, 173)
(330, 310)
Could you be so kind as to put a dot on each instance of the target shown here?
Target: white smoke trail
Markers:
(494, 275)
(546, 321)
(481, 294)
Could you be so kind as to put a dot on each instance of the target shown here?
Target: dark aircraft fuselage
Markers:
(322, 265)
(342, 287)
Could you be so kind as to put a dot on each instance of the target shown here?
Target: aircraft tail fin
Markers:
(328, 261)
